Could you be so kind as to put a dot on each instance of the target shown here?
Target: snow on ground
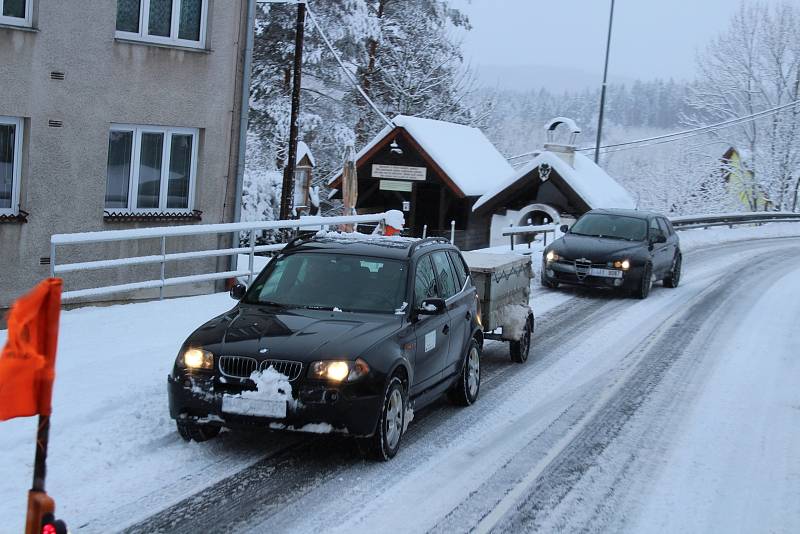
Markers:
(111, 437)
(114, 447)
(738, 451)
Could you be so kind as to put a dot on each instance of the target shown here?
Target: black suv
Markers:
(615, 248)
(336, 334)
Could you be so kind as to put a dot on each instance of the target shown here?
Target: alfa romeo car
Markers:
(627, 250)
(342, 335)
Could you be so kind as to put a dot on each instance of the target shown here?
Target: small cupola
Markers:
(565, 151)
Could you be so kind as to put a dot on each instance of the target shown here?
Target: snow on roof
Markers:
(303, 151)
(464, 153)
(587, 179)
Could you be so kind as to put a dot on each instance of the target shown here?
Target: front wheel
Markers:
(520, 349)
(385, 443)
(466, 389)
(645, 284)
(193, 431)
(674, 277)
(549, 284)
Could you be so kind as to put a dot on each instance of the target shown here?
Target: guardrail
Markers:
(163, 258)
(513, 231)
(687, 222)
(732, 219)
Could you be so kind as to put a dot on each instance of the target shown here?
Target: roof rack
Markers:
(427, 240)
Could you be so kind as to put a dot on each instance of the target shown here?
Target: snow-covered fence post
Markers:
(252, 255)
(452, 232)
(530, 237)
(163, 266)
(52, 260)
(511, 236)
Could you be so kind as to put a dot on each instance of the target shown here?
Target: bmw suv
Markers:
(336, 334)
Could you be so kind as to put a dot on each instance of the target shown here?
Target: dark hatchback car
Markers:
(361, 331)
(621, 249)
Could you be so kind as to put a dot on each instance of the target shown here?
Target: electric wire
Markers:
(676, 136)
(347, 72)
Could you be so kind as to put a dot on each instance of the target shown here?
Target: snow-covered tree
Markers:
(414, 66)
(404, 53)
(755, 66)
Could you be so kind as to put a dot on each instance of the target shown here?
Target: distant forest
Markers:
(517, 117)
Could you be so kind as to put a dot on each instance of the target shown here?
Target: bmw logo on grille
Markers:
(263, 351)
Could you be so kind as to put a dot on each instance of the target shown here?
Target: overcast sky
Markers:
(565, 39)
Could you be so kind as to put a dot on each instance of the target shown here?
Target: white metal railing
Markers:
(684, 222)
(513, 231)
(688, 222)
(162, 233)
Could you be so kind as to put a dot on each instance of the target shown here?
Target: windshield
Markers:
(612, 226)
(316, 280)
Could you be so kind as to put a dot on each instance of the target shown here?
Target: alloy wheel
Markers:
(394, 419)
(473, 372)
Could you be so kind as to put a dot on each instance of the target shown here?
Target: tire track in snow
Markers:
(540, 493)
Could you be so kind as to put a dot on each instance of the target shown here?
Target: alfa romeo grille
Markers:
(244, 366)
(582, 268)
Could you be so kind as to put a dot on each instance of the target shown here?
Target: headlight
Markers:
(338, 370)
(622, 264)
(552, 256)
(197, 359)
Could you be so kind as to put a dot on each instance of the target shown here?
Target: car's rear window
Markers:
(332, 281)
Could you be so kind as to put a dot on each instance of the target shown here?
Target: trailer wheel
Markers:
(520, 349)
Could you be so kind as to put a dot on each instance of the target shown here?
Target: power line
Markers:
(347, 72)
(676, 136)
(686, 134)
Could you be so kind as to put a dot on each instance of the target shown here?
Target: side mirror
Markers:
(432, 307)
(564, 228)
(660, 239)
(238, 291)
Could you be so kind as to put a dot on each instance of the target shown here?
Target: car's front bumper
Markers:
(353, 409)
(566, 273)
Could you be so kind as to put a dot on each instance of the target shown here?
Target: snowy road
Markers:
(679, 413)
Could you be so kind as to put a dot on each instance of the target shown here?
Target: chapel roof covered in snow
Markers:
(584, 183)
(464, 156)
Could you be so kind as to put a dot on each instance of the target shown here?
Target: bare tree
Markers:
(755, 66)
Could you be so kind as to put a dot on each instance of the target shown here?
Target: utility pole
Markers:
(603, 89)
(287, 191)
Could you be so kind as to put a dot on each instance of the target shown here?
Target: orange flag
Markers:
(27, 363)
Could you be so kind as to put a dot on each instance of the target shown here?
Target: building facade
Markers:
(115, 114)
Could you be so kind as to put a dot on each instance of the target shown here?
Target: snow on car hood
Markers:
(300, 335)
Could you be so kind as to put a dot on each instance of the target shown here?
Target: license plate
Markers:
(605, 273)
(234, 404)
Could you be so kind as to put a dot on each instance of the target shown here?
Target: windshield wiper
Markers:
(273, 304)
(325, 308)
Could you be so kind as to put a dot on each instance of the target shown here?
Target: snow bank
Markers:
(718, 235)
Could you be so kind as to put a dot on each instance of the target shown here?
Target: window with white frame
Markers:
(10, 156)
(15, 12)
(172, 22)
(151, 169)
